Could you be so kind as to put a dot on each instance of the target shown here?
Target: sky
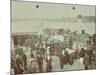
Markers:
(27, 18)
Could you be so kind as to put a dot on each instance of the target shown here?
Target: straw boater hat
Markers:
(32, 60)
(67, 49)
(85, 48)
(48, 47)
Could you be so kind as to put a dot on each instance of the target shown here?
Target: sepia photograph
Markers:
(52, 37)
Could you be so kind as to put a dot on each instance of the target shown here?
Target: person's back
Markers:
(34, 67)
(82, 52)
(86, 61)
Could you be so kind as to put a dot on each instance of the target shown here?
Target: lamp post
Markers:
(80, 22)
(41, 26)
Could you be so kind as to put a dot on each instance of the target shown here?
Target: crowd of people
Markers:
(30, 52)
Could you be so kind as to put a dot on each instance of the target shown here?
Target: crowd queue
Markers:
(30, 57)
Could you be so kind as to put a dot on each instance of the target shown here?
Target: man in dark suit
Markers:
(40, 62)
(86, 61)
(49, 63)
(19, 65)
